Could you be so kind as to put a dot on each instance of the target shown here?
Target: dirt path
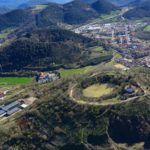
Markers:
(82, 102)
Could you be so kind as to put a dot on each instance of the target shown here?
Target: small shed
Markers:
(129, 89)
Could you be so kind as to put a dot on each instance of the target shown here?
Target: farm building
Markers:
(11, 106)
(7, 110)
(47, 77)
(129, 89)
(2, 113)
(12, 111)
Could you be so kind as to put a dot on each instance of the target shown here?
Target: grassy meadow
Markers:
(4, 81)
(70, 72)
(6, 32)
(147, 28)
(97, 90)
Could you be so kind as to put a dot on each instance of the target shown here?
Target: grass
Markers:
(39, 7)
(4, 81)
(112, 15)
(70, 72)
(97, 90)
(116, 56)
(98, 49)
(6, 32)
(120, 66)
(147, 28)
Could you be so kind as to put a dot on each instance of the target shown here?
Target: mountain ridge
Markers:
(75, 12)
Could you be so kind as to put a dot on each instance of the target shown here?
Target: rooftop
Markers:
(12, 111)
(10, 106)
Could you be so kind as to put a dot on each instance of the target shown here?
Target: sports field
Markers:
(97, 90)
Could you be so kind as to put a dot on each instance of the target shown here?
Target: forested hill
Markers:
(15, 18)
(103, 6)
(48, 48)
(142, 10)
(75, 12)
(4, 10)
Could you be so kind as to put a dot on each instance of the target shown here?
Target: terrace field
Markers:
(97, 90)
(6, 81)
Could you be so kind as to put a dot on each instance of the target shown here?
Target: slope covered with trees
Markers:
(103, 6)
(55, 122)
(15, 18)
(75, 12)
(47, 48)
(141, 11)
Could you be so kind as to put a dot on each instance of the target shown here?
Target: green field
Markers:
(147, 28)
(6, 32)
(97, 90)
(112, 16)
(4, 81)
(71, 72)
(98, 49)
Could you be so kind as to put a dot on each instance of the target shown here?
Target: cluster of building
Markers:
(2, 94)
(132, 91)
(121, 36)
(118, 32)
(45, 77)
(11, 108)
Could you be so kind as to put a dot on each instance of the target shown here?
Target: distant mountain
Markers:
(31, 3)
(4, 10)
(75, 12)
(136, 3)
(122, 2)
(103, 6)
(15, 18)
(88, 1)
(16, 3)
(141, 10)
(51, 16)
(115, 2)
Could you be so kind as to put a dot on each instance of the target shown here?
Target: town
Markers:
(122, 37)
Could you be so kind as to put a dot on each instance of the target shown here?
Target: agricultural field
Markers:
(70, 72)
(97, 90)
(13, 81)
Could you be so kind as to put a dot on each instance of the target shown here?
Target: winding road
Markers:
(82, 102)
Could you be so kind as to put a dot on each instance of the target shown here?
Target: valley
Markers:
(75, 76)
